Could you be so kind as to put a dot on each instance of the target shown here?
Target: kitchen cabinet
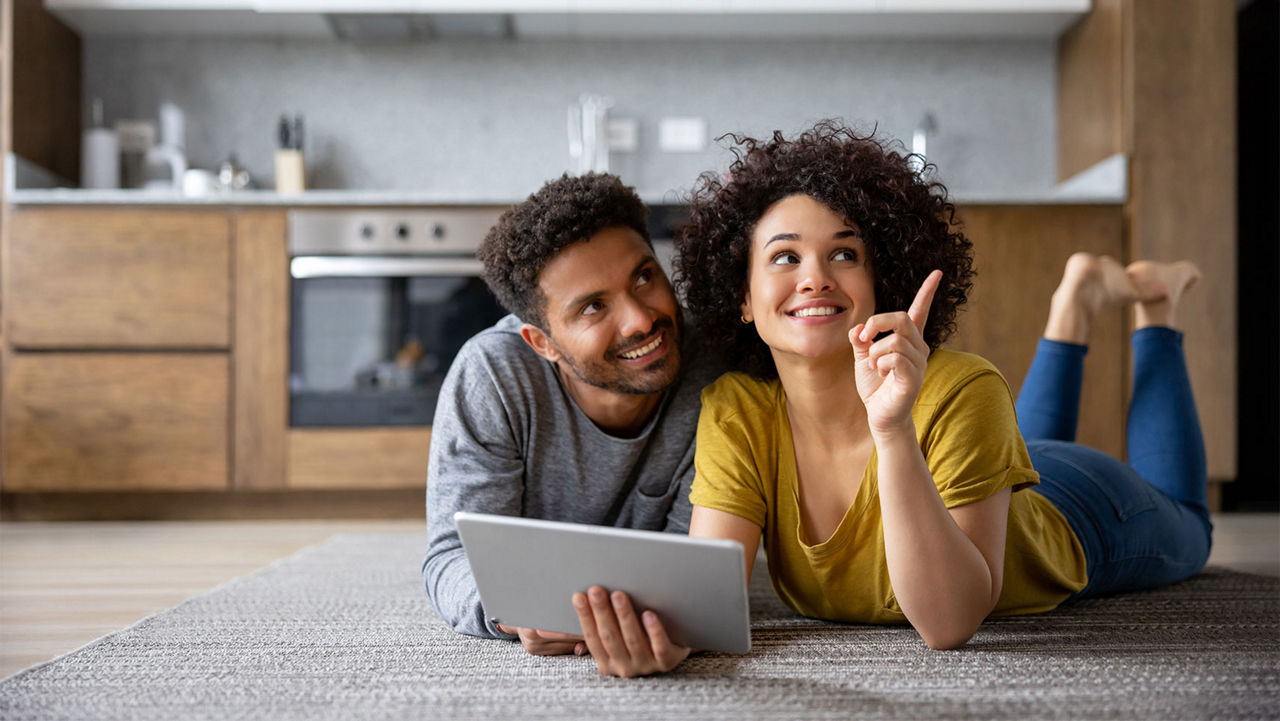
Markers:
(146, 349)
(76, 421)
(1155, 80)
(260, 360)
(93, 278)
(116, 371)
(1019, 252)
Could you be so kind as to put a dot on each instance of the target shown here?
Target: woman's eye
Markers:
(845, 254)
(644, 277)
(786, 258)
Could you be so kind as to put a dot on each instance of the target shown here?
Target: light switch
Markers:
(682, 135)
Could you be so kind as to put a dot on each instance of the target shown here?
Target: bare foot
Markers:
(1089, 284)
(1160, 286)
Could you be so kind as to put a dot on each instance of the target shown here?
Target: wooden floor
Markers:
(63, 585)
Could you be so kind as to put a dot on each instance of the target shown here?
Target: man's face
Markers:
(611, 314)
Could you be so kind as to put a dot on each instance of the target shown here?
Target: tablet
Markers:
(526, 571)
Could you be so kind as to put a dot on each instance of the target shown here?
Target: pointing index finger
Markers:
(919, 311)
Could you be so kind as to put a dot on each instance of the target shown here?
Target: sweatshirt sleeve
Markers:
(476, 465)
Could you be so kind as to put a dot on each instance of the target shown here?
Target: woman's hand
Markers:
(618, 641)
(889, 371)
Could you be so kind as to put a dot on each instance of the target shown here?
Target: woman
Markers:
(888, 478)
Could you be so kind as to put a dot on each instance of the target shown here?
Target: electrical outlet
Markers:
(682, 135)
(624, 134)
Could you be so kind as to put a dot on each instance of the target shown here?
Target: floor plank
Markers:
(63, 585)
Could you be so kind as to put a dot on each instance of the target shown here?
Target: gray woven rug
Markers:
(342, 630)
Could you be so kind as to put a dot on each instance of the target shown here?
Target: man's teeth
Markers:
(821, 310)
(653, 345)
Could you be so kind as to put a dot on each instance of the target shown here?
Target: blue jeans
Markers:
(1144, 523)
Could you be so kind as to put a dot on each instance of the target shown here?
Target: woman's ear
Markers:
(745, 307)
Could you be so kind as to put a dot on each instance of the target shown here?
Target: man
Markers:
(579, 406)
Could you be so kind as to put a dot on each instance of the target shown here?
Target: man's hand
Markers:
(618, 641)
(547, 643)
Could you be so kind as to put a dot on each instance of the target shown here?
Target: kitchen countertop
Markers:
(1105, 183)
(378, 198)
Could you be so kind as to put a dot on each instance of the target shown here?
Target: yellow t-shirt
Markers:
(965, 423)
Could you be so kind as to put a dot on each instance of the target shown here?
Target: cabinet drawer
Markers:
(93, 278)
(113, 421)
(358, 458)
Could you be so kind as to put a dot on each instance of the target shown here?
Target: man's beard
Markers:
(607, 375)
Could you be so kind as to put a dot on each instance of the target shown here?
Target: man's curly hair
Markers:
(907, 224)
(568, 210)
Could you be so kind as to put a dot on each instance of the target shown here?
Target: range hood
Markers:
(410, 20)
(404, 27)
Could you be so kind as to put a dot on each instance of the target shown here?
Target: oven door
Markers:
(371, 337)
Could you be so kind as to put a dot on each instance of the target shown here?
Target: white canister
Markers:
(99, 154)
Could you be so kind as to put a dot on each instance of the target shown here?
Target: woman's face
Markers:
(808, 282)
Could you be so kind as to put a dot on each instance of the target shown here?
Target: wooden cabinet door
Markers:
(358, 458)
(1019, 252)
(118, 279)
(115, 421)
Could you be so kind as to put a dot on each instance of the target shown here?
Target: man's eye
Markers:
(845, 254)
(644, 277)
(592, 308)
(784, 258)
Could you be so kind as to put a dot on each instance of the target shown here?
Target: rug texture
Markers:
(342, 630)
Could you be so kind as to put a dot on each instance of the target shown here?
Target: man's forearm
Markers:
(449, 584)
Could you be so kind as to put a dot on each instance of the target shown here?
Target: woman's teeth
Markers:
(822, 310)
(645, 350)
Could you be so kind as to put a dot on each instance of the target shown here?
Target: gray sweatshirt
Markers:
(508, 439)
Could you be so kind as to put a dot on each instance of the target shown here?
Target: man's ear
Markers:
(540, 342)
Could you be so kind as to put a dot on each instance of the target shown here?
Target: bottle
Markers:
(99, 154)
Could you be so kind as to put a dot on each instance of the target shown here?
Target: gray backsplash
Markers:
(489, 118)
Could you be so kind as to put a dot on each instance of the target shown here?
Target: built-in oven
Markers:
(381, 302)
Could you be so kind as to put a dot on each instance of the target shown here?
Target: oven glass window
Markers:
(374, 351)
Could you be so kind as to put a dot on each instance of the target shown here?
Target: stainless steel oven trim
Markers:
(317, 266)
(398, 232)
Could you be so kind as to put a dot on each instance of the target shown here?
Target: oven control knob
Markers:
(437, 231)
(366, 231)
(402, 231)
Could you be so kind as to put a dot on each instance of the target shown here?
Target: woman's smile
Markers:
(815, 312)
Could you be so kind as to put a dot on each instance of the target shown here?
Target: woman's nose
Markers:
(814, 277)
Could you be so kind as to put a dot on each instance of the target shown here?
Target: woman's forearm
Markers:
(942, 581)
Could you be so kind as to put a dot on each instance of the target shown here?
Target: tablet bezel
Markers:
(527, 569)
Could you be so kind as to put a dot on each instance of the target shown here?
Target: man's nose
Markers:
(637, 318)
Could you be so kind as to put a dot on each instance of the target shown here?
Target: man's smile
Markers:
(644, 350)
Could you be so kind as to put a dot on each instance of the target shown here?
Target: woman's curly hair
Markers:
(568, 210)
(906, 223)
